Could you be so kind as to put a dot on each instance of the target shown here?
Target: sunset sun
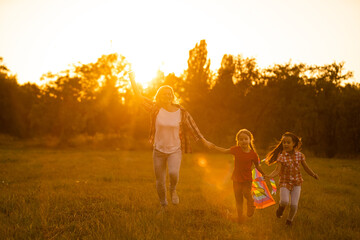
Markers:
(144, 72)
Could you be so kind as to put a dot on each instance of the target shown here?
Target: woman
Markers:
(171, 127)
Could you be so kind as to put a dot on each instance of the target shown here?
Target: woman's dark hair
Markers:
(272, 156)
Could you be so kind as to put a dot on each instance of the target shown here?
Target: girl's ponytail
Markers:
(272, 156)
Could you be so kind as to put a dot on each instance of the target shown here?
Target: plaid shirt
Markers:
(187, 125)
(290, 175)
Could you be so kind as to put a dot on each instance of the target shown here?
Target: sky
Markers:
(38, 36)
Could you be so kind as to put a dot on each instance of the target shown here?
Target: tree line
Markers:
(314, 102)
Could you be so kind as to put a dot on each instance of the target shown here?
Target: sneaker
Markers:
(174, 197)
(288, 222)
(250, 211)
(280, 211)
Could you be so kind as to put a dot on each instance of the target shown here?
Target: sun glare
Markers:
(143, 73)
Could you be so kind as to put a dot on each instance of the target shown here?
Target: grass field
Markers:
(93, 194)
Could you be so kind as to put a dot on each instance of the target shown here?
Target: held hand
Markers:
(316, 176)
(266, 176)
(208, 144)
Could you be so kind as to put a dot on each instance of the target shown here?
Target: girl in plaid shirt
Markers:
(287, 154)
(170, 132)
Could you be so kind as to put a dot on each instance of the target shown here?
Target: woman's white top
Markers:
(167, 127)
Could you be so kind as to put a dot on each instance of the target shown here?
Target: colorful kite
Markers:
(273, 186)
(272, 181)
(260, 191)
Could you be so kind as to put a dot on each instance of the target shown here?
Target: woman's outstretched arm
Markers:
(206, 143)
(134, 85)
(194, 130)
(145, 102)
(220, 149)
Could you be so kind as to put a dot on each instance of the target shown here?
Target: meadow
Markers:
(78, 193)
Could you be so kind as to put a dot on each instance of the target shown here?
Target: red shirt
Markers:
(243, 164)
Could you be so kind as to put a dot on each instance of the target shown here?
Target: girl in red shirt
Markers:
(287, 154)
(245, 155)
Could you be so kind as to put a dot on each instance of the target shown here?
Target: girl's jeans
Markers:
(173, 161)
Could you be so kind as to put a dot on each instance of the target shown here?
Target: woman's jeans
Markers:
(173, 161)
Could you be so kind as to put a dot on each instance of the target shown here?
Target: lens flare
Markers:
(202, 162)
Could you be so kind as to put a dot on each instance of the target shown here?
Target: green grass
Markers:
(92, 194)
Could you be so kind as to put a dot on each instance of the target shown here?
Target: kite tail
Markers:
(272, 181)
(273, 186)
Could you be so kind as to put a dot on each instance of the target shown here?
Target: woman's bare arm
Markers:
(134, 85)
(136, 89)
(220, 149)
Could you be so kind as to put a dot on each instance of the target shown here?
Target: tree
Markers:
(196, 84)
(195, 89)
(348, 125)
(246, 73)
(10, 106)
(89, 98)
(223, 100)
(328, 106)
